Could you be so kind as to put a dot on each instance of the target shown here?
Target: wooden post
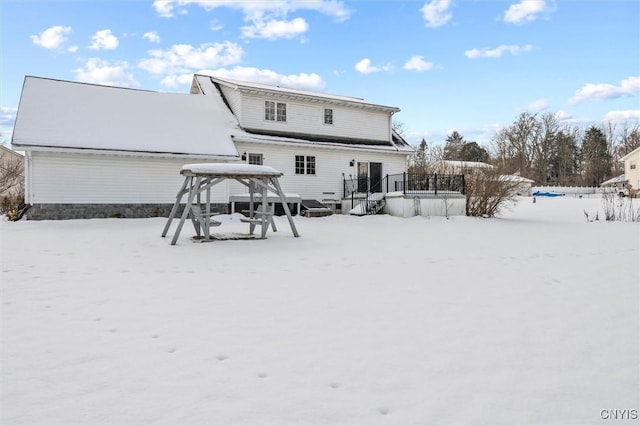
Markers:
(276, 184)
(174, 209)
(193, 191)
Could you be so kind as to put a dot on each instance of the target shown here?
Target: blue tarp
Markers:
(548, 194)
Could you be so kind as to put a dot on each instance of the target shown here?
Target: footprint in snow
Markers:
(334, 385)
(222, 357)
(383, 411)
(263, 375)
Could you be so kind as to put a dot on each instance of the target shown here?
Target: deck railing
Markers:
(407, 183)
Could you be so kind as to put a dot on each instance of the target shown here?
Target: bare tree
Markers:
(628, 140)
(399, 127)
(514, 145)
(542, 147)
(488, 192)
(11, 172)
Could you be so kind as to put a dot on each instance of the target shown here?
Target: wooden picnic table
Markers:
(199, 178)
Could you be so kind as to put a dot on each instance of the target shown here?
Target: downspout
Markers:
(28, 178)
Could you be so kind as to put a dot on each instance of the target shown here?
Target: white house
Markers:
(632, 169)
(99, 151)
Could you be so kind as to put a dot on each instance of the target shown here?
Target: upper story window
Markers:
(305, 165)
(275, 111)
(632, 164)
(328, 116)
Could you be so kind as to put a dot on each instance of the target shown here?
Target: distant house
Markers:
(523, 185)
(616, 184)
(632, 168)
(100, 151)
(11, 172)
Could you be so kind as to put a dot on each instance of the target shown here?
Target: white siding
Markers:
(96, 179)
(331, 163)
(309, 118)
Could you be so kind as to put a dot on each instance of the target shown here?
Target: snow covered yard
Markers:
(530, 318)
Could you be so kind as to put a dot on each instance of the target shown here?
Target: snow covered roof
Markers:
(250, 87)
(61, 115)
(231, 169)
(614, 181)
(282, 140)
(516, 178)
(466, 164)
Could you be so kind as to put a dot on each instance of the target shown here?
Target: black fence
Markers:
(407, 183)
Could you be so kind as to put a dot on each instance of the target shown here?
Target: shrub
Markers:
(488, 192)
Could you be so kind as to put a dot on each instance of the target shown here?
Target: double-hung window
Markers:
(305, 164)
(328, 116)
(275, 111)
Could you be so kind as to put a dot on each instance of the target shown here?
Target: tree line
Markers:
(543, 148)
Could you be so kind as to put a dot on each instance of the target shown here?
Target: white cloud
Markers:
(537, 106)
(151, 36)
(184, 58)
(436, 13)
(98, 71)
(624, 115)
(7, 115)
(103, 39)
(563, 115)
(258, 10)
(417, 63)
(215, 25)
(525, 11)
(497, 51)
(365, 67)
(274, 29)
(602, 91)
(53, 38)
(302, 81)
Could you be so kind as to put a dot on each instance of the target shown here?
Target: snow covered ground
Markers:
(529, 318)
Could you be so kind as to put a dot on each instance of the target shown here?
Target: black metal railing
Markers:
(407, 183)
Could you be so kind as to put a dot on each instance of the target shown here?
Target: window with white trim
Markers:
(328, 116)
(305, 165)
(255, 159)
(275, 111)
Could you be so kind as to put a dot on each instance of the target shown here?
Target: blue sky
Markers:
(472, 66)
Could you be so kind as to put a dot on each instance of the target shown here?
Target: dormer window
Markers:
(328, 116)
(275, 111)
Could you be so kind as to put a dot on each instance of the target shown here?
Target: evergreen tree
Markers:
(471, 151)
(453, 145)
(418, 162)
(596, 157)
(565, 159)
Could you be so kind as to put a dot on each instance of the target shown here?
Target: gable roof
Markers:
(264, 89)
(631, 154)
(63, 115)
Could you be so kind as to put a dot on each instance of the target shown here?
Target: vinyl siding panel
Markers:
(308, 118)
(95, 179)
(331, 164)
